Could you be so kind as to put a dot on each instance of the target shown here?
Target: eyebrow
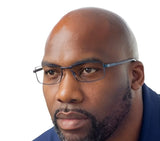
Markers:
(83, 61)
(48, 64)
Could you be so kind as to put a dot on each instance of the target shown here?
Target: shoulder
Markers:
(150, 96)
(49, 135)
(151, 103)
(151, 115)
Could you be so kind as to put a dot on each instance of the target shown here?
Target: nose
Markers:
(69, 90)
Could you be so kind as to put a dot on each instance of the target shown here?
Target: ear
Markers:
(136, 75)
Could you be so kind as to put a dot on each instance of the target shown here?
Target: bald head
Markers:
(75, 44)
(95, 28)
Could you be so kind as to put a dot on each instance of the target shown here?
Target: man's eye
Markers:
(89, 70)
(50, 72)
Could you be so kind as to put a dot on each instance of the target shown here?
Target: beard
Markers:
(100, 130)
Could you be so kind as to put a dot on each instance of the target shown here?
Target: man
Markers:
(93, 82)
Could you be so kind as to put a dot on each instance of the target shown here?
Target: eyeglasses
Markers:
(85, 71)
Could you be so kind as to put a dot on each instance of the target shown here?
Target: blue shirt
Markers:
(150, 130)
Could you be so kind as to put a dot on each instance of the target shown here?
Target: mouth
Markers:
(71, 121)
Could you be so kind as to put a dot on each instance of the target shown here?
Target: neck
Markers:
(130, 127)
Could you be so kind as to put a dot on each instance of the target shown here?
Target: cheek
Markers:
(49, 94)
(100, 100)
(104, 96)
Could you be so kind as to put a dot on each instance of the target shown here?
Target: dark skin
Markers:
(95, 33)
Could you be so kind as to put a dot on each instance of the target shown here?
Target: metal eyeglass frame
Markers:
(82, 62)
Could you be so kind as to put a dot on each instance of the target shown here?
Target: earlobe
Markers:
(137, 75)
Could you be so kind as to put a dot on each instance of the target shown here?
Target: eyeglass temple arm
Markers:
(34, 71)
(119, 63)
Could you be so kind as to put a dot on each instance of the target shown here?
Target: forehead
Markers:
(70, 45)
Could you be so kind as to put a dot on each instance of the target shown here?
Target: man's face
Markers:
(81, 110)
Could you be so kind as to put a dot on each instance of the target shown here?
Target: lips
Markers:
(71, 120)
(70, 115)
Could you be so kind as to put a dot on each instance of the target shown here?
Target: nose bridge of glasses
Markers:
(70, 68)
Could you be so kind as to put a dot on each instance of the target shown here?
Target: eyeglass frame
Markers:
(79, 63)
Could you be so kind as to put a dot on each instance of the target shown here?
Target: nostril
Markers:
(60, 100)
(73, 101)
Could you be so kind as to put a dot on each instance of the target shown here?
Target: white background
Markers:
(24, 27)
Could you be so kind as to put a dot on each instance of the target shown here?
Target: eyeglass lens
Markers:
(86, 72)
